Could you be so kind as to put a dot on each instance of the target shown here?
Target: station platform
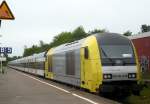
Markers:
(21, 88)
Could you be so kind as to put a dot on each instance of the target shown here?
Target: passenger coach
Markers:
(34, 64)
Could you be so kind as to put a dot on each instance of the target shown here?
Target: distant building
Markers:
(142, 45)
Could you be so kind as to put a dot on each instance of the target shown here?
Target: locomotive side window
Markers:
(70, 63)
(50, 63)
(86, 53)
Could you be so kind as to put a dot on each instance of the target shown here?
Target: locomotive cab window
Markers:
(115, 50)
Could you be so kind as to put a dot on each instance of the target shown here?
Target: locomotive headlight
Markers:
(107, 76)
(132, 75)
(129, 75)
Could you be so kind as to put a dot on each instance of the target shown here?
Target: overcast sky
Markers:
(43, 19)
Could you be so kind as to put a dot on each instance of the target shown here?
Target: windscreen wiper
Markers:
(107, 56)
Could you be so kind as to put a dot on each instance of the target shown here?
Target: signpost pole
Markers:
(0, 23)
(0, 54)
(5, 14)
(1, 64)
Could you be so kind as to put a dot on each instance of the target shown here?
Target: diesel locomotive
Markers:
(103, 62)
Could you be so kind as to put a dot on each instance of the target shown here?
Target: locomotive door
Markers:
(82, 67)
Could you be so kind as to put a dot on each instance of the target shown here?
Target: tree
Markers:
(97, 31)
(41, 43)
(79, 33)
(145, 28)
(25, 47)
(127, 33)
(31, 50)
(64, 37)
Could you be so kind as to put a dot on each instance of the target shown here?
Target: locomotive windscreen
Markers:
(115, 49)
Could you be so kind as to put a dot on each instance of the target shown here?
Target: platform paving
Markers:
(17, 88)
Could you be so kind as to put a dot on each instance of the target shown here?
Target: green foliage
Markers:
(144, 97)
(64, 37)
(79, 33)
(97, 31)
(145, 28)
(13, 58)
(127, 33)
(146, 75)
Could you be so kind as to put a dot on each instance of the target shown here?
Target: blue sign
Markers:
(7, 50)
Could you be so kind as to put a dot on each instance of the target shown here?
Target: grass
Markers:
(146, 75)
(144, 97)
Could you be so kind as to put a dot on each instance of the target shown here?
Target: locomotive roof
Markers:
(142, 35)
(111, 38)
(105, 38)
(108, 35)
(68, 46)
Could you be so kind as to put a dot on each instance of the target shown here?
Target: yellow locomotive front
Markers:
(102, 62)
(109, 63)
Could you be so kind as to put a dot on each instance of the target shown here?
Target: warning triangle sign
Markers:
(5, 12)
